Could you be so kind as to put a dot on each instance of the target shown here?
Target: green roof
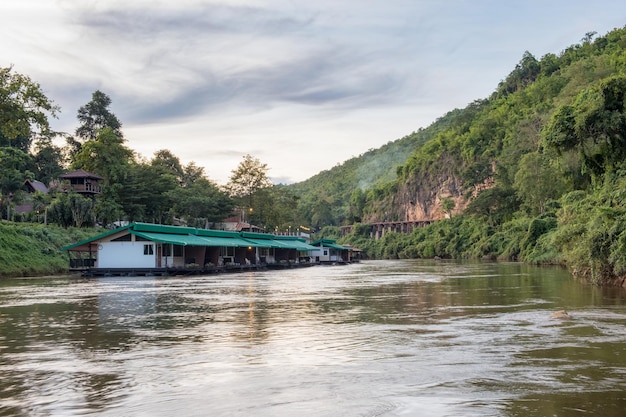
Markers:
(96, 237)
(191, 240)
(189, 236)
(328, 243)
(270, 241)
(294, 243)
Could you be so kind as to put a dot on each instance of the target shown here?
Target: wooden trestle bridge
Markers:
(379, 229)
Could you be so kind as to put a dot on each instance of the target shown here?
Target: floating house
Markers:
(143, 248)
(328, 251)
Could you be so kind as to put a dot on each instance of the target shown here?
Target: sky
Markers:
(301, 85)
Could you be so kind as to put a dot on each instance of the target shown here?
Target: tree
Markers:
(594, 126)
(447, 205)
(106, 155)
(24, 111)
(48, 160)
(191, 174)
(249, 177)
(149, 187)
(537, 182)
(357, 205)
(525, 72)
(169, 162)
(275, 208)
(71, 209)
(24, 108)
(13, 172)
(95, 116)
(41, 201)
(200, 203)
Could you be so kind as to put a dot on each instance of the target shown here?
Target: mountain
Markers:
(332, 197)
(534, 172)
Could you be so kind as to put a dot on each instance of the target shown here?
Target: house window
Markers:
(325, 253)
(148, 250)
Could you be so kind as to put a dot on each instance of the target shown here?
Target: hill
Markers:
(335, 196)
(534, 172)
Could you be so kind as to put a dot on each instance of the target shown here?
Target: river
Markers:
(379, 338)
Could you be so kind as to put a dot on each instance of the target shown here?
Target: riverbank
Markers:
(31, 249)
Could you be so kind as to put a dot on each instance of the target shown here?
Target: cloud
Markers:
(196, 61)
(301, 85)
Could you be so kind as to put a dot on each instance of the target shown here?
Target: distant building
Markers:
(31, 187)
(237, 223)
(328, 251)
(83, 182)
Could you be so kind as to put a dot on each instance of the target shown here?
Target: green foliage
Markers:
(34, 249)
(328, 232)
(200, 203)
(249, 177)
(541, 163)
(106, 156)
(538, 181)
(71, 209)
(336, 196)
(14, 165)
(24, 108)
(594, 126)
(592, 231)
(95, 116)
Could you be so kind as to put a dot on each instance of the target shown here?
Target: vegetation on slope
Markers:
(30, 249)
(540, 165)
(550, 142)
(337, 196)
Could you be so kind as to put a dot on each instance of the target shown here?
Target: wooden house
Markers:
(30, 187)
(83, 182)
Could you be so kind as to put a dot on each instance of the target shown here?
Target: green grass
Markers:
(30, 249)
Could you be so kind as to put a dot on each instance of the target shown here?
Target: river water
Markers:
(380, 338)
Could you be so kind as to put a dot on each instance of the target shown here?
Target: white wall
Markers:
(125, 255)
(320, 252)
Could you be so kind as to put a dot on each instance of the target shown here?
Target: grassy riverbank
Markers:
(30, 249)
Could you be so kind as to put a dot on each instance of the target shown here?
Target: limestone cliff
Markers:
(426, 197)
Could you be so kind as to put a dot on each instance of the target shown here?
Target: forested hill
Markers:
(536, 171)
(332, 197)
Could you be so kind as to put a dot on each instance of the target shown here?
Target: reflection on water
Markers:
(378, 338)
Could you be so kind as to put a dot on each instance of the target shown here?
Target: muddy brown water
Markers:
(379, 338)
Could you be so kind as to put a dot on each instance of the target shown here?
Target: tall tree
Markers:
(200, 203)
(151, 187)
(249, 177)
(169, 162)
(48, 160)
(537, 181)
(106, 155)
(95, 116)
(24, 108)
